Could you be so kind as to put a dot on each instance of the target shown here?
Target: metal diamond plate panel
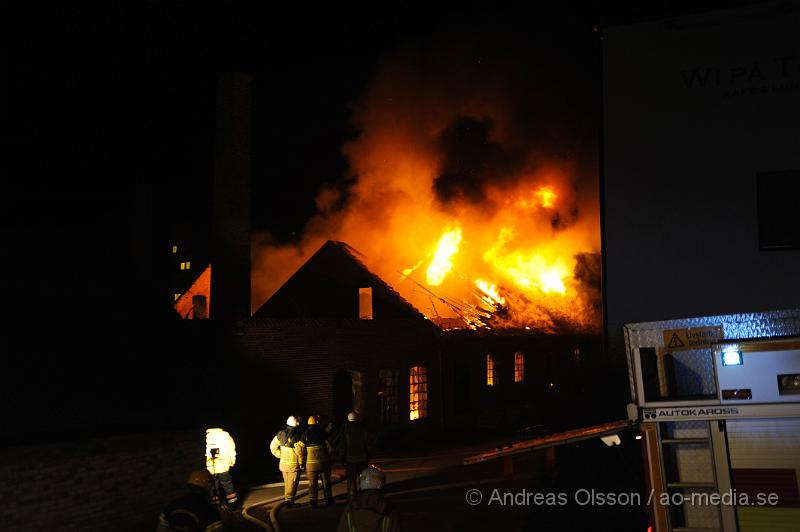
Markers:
(700, 516)
(743, 326)
(685, 429)
(694, 372)
(692, 462)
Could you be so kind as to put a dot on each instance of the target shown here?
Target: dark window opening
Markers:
(778, 210)
(387, 397)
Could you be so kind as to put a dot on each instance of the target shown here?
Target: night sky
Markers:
(116, 95)
(106, 107)
(109, 119)
(108, 130)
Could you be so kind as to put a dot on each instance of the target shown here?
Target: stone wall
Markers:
(113, 483)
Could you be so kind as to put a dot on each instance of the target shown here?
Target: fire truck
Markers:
(717, 400)
(701, 169)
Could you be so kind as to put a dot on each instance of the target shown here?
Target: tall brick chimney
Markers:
(230, 250)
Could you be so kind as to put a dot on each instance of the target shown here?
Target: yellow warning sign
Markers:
(694, 338)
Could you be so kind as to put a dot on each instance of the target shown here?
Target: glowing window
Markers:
(489, 370)
(188, 265)
(418, 393)
(365, 303)
(519, 366)
(177, 296)
(174, 249)
(183, 265)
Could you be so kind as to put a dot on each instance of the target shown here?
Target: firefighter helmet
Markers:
(371, 478)
(292, 421)
(200, 478)
(351, 416)
(312, 420)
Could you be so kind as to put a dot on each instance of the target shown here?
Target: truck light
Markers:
(739, 394)
(611, 440)
(789, 384)
(732, 358)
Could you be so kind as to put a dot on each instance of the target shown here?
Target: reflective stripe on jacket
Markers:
(289, 461)
(318, 449)
(317, 458)
(290, 457)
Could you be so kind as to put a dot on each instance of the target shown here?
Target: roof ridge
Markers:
(347, 248)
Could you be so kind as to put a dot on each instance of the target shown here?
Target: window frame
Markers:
(418, 397)
(519, 366)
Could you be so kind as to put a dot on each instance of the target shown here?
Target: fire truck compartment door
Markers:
(758, 377)
(765, 461)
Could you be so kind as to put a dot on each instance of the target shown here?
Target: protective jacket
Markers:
(192, 513)
(317, 449)
(369, 512)
(224, 457)
(284, 446)
(354, 440)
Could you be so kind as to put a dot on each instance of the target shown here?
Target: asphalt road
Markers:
(429, 493)
(435, 492)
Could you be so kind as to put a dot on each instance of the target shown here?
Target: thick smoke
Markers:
(453, 132)
(471, 160)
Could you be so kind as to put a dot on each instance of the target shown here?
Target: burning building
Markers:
(486, 228)
(473, 214)
(345, 341)
(339, 338)
(520, 259)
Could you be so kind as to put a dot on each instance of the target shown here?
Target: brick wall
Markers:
(115, 483)
(298, 359)
(549, 359)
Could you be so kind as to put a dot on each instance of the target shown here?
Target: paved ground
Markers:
(430, 493)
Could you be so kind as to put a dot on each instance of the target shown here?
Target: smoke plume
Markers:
(465, 137)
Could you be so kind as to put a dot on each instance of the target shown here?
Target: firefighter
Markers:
(369, 510)
(317, 461)
(194, 511)
(220, 457)
(292, 456)
(354, 452)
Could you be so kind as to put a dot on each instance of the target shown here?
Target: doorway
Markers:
(348, 393)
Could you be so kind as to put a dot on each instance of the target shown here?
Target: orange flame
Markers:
(544, 197)
(513, 246)
(442, 261)
(409, 271)
(491, 295)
